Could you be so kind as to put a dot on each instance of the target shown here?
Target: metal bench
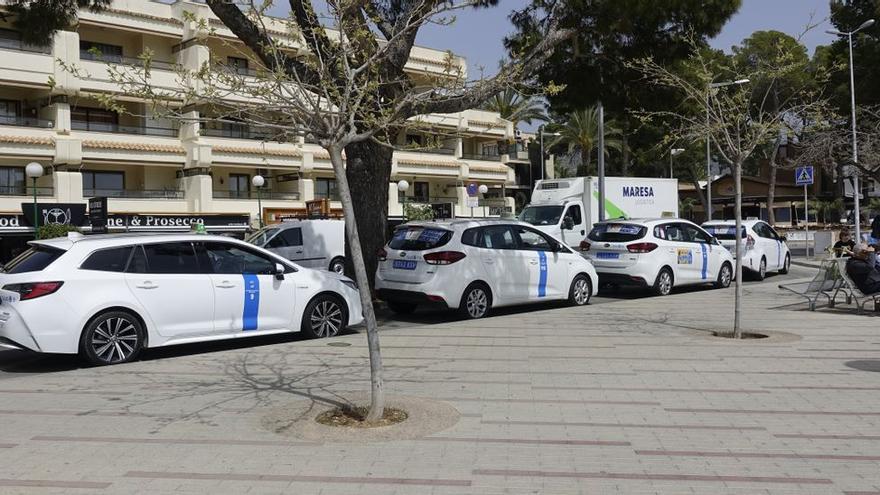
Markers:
(826, 283)
(851, 290)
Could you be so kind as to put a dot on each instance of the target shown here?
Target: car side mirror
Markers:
(279, 271)
(783, 238)
(567, 223)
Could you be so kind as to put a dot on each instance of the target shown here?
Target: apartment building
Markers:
(159, 174)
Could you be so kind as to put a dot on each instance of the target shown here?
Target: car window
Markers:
(418, 238)
(471, 237)
(724, 232)
(108, 260)
(617, 232)
(293, 237)
(764, 230)
(531, 240)
(138, 261)
(695, 234)
(33, 260)
(772, 232)
(497, 237)
(172, 257)
(260, 237)
(232, 259)
(541, 215)
(574, 212)
(675, 233)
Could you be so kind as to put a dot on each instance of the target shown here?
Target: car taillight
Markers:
(641, 247)
(382, 254)
(34, 290)
(750, 242)
(443, 257)
(585, 246)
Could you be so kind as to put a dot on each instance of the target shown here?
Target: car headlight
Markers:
(349, 283)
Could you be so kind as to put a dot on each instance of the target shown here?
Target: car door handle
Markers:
(488, 261)
(299, 252)
(533, 262)
(225, 285)
(147, 285)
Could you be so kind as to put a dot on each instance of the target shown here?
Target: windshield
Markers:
(419, 238)
(724, 232)
(617, 232)
(260, 238)
(33, 260)
(541, 215)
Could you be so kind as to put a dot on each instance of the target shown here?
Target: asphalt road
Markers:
(15, 363)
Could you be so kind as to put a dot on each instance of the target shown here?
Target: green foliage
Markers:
(580, 133)
(515, 107)
(39, 20)
(418, 212)
(828, 209)
(847, 16)
(54, 230)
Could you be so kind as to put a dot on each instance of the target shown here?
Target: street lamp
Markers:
(541, 135)
(258, 181)
(403, 186)
(855, 146)
(673, 152)
(34, 171)
(483, 190)
(709, 140)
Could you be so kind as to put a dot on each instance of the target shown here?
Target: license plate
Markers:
(9, 297)
(607, 256)
(404, 264)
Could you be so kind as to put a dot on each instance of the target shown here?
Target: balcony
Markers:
(25, 191)
(433, 151)
(242, 132)
(10, 44)
(423, 200)
(482, 156)
(81, 125)
(269, 195)
(241, 71)
(26, 121)
(130, 61)
(134, 193)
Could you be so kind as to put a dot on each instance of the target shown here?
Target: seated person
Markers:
(862, 269)
(845, 245)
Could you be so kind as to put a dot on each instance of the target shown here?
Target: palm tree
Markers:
(581, 133)
(515, 107)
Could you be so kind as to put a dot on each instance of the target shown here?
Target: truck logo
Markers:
(638, 192)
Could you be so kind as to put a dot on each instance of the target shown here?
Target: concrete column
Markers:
(306, 188)
(461, 208)
(199, 193)
(395, 208)
(65, 56)
(68, 186)
(459, 147)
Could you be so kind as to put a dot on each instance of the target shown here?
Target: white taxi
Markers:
(763, 249)
(476, 265)
(657, 253)
(107, 297)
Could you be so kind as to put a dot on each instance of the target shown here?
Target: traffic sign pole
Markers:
(806, 223)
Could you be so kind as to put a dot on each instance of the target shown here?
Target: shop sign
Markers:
(55, 214)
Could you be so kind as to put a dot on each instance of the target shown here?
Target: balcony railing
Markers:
(243, 132)
(23, 47)
(134, 193)
(278, 195)
(131, 61)
(433, 151)
(25, 191)
(25, 121)
(81, 125)
(423, 200)
(242, 71)
(482, 156)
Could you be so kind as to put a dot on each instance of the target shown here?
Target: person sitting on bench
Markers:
(844, 246)
(862, 269)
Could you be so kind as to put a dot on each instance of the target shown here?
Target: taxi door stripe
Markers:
(251, 302)
(705, 261)
(542, 278)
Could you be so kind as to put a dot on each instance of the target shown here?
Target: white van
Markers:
(318, 244)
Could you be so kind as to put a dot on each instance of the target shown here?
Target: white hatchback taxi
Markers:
(475, 265)
(107, 297)
(657, 253)
(764, 250)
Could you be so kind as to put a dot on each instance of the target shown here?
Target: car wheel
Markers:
(475, 302)
(762, 270)
(402, 308)
(337, 265)
(786, 266)
(725, 275)
(581, 291)
(112, 338)
(325, 316)
(663, 283)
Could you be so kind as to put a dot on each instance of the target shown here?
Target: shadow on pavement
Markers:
(864, 365)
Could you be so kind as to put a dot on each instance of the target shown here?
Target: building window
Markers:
(238, 64)
(9, 111)
(94, 119)
(90, 50)
(239, 185)
(421, 192)
(100, 183)
(414, 140)
(326, 188)
(12, 181)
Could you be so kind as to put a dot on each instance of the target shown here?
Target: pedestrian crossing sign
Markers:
(804, 176)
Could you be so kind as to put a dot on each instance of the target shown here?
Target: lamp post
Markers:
(34, 171)
(403, 186)
(855, 147)
(673, 152)
(541, 135)
(709, 140)
(483, 190)
(258, 181)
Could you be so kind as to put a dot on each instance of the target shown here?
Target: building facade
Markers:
(171, 174)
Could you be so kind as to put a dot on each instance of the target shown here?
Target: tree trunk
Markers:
(584, 169)
(377, 397)
(771, 186)
(368, 167)
(737, 215)
(702, 197)
(624, 165)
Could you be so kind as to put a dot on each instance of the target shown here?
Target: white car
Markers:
(318, 244)
(764, 250)
(657, 253)
(107, 297)
(476, 265)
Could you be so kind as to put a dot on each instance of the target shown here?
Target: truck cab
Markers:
(565, 222)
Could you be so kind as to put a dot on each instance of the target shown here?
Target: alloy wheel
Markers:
(581, 291)
(115, 340)
(665, 282)
(326, 319)
(726, 276)
(477, 303)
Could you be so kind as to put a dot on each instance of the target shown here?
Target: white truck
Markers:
(318, 244)
(568, 208)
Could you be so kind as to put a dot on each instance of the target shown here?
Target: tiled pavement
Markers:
(613, 398)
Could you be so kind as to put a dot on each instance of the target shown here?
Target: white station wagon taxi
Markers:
(107, 297)
(657, 253)
(763, 249)
(475, 265)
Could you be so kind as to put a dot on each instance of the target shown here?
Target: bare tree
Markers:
(343, 87)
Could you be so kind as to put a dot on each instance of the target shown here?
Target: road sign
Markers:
(473, 202)
(803, 176)
(472, 189)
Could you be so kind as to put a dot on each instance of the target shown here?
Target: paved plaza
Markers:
(629, 397)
